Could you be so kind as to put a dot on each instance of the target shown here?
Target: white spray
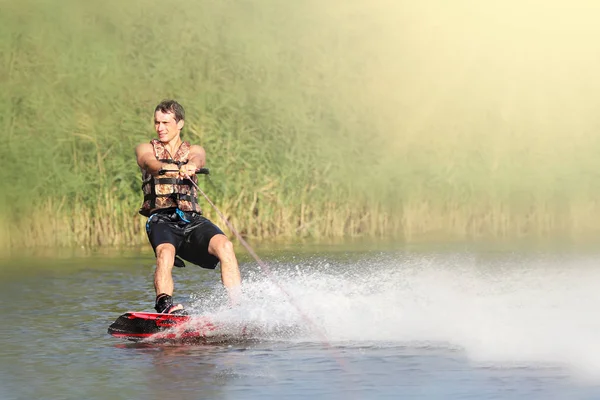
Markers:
(535, 311)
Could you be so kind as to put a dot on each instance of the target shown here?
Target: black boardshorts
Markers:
(190, 239)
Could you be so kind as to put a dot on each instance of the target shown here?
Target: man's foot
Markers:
(176, 309)
(164, 305)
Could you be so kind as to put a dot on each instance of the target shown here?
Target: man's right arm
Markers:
(146, 160)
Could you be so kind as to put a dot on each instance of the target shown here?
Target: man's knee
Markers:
(222, 247)
(227, 247)
(165, 255)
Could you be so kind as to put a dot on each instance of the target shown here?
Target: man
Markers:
(176, 227)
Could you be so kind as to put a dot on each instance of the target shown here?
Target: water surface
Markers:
(378, 322)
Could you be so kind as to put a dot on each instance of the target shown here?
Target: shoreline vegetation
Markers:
(372, 119)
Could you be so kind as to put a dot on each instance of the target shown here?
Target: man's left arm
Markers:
(196, 160)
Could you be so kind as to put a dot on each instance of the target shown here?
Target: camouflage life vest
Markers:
(168, 190)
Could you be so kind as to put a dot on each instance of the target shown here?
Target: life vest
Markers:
(169, 190)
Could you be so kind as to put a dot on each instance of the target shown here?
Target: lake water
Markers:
(378, 322)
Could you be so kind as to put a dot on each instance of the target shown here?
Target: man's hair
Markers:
(171, 106)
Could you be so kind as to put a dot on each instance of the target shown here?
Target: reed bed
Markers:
(345, 119)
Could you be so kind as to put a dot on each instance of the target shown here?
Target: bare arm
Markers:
(196, 160)
(146, 159)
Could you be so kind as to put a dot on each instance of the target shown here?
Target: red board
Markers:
(140, 325)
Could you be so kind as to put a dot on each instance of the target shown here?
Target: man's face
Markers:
(166, 127)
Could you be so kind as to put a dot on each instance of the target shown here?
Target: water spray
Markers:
(263, 266)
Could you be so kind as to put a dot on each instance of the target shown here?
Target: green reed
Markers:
(316, 123)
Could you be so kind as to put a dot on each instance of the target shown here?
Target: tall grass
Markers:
(344, 118)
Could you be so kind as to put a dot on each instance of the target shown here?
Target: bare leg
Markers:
(222, 248)
(163, 275)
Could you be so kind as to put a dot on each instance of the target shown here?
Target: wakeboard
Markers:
(138, 326)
